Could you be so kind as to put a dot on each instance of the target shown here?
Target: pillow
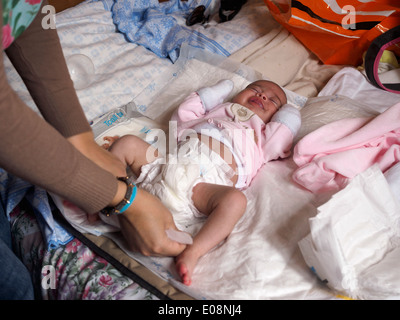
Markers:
(320, 111)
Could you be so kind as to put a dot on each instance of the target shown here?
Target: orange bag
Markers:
(338, 33)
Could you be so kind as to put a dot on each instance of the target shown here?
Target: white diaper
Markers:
(354, 240)
(172, 180)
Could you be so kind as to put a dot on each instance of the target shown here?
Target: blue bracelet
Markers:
(126, 202)
(131, 199)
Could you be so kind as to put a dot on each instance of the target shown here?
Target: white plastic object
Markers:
(81, 70)
(179, 236)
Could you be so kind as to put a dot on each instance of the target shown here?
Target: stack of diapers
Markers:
(393, 178)
(354, 240)
(125, 120)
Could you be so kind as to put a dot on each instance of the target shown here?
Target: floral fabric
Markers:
(17, 16)
(80, 274)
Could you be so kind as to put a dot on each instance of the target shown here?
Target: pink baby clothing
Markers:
(251, 141)
(331, 155)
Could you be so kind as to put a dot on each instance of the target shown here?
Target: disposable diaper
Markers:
(172, 180)
(126, 120)
(354, 243)
(392, 176)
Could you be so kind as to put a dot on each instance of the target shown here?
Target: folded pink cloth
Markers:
(331, 155)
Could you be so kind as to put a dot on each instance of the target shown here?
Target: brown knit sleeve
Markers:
(38, 58)
(38, 152)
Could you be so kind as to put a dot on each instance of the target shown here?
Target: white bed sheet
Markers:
(260, 259)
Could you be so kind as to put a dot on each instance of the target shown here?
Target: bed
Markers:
(271, 254)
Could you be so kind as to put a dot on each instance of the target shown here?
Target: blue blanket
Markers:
(160, 27)
(13, 190)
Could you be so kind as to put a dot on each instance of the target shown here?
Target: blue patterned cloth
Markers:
(160, 27)
(13, 190)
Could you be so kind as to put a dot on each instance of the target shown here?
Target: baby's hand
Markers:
(290, 117)
(110, 140)
(216, 94)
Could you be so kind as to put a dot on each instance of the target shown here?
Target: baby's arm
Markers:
(216, 94)
(197, 104)
(290, 117)
(280, 132)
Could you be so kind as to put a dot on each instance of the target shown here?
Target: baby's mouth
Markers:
(257, 102)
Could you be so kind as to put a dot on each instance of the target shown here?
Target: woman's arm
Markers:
(38, 151)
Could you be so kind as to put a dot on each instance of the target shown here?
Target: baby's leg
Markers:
(224, 206)
(133, 151)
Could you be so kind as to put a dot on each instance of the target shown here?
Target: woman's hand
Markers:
(86, 144)
(145, 222)
(144, 226)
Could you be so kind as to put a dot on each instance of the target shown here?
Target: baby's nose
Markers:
(262, 95)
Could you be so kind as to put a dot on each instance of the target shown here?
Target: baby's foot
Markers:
(185, 264)
(110, 140)
(184, 273)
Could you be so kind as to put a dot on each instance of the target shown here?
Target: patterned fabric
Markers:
(17, 16)
(13, 190)
(159, 26)
(79, 273)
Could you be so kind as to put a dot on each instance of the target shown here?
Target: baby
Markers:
(220, 148)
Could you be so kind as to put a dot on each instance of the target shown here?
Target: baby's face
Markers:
(262, 97)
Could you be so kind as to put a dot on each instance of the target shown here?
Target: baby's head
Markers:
(263, 97)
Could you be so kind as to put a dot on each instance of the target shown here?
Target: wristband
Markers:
(126, 202)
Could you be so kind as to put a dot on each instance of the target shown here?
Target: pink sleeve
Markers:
(190, 109)
(278, 141)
